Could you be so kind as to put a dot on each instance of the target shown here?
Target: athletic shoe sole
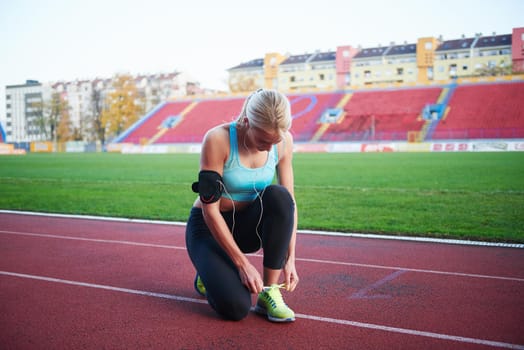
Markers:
(262, 311)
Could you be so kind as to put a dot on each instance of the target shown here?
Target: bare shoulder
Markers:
(215, 148)
(217, 135)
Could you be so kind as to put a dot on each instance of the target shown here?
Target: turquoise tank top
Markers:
(243, 183)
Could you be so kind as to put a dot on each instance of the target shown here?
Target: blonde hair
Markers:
(268, 110)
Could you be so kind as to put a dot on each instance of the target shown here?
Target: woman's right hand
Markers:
(250, 277)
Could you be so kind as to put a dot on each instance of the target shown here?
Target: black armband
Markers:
(209, 186)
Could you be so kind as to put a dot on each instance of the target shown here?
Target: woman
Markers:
(239, 211)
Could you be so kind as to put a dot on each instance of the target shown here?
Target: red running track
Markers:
(79, 283)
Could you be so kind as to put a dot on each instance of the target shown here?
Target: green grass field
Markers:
(476, 196)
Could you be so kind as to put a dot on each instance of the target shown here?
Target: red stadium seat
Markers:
(382, 115)
(484, 111)
(494, 110)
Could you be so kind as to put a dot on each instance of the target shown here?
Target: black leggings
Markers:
(224, 289)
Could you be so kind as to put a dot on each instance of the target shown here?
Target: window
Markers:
(428, 45)
(453, 71)
(321, 76)
(400, 71)
(429, 73)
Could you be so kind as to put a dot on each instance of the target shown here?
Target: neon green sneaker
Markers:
(270, 303)
(199, 286)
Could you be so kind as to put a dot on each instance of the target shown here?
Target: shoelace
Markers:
(275, 298)
(275, 286)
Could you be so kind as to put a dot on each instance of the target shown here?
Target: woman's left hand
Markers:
(290, 275)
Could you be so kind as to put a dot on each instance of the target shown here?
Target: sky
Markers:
(67, 40)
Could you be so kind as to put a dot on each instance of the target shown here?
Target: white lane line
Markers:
(458, 274)
(101, 286)
(415, 239)
(97, 240)
(313, 232)
(91, 217)
(304, 316)
(331, 262)
(413, 332)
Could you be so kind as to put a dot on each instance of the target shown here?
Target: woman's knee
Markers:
(234, 309)
(277, 197)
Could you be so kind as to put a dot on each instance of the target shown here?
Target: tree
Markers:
(58, 117)
(123, 107)
(243, 83)
(37, 123)
(492, 71)
(97, 128)
(63, 127)
(53, 118)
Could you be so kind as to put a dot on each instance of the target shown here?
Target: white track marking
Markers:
(332, 262)
(413, 332)
(324, 233)
(97, 240)
(364, 293)
(101, 286)
(459, 274)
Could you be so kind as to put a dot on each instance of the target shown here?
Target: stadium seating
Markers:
(149, 125)
(307, 110)
(382, 115)
(484, 111)
(202, 117)
(2, 134)
(490, 110)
